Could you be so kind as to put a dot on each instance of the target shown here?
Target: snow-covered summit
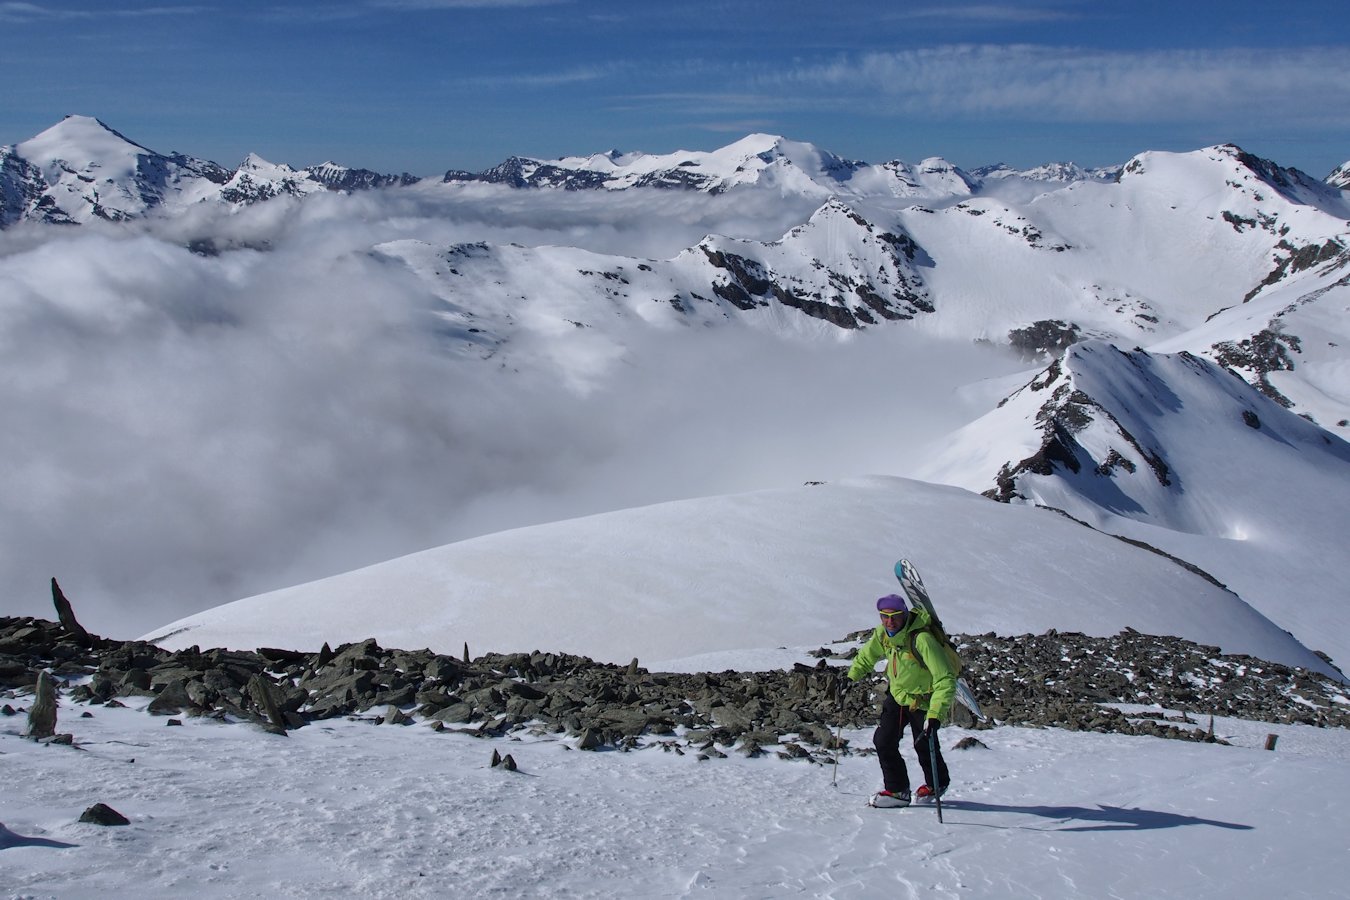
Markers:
(87, 171)
(82, 142)
(1230, 166)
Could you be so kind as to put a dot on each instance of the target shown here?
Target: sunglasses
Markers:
(893, 614)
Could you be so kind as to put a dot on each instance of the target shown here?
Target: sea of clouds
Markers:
(184, 428)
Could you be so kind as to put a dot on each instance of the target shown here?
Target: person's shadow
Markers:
(10, 839)
(1107, 818)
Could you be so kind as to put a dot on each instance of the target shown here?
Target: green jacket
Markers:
(910, 683)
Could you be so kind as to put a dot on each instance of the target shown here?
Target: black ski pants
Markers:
(886, 739)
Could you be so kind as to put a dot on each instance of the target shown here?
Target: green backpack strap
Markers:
(914, 651)
(943, 641)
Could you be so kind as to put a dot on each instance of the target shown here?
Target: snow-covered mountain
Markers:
(81, 170)
(471, 338)
(1215, 251)
(760, 160)
(1173, 451)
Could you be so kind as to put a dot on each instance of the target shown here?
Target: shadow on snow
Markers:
(10, 839)
(1110, 818)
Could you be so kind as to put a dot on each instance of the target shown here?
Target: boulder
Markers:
(42, 714)
(102, 814)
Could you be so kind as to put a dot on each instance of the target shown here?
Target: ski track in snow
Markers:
(348, 808)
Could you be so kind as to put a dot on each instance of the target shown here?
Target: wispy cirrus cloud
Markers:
(1042, 83)
(992, 14)
(463, 4)
(558, 78)
(38, 12)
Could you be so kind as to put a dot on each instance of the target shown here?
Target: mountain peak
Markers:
(77, 125)
(79, 140)
(1340, 177)
(757, 143)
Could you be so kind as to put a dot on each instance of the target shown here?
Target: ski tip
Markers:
(900, 568)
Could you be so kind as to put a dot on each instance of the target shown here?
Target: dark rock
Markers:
(135, 681)
(265, 701)
(172, 699)
(66, 614)
(395, 716)
(42, 714)
(102, 814)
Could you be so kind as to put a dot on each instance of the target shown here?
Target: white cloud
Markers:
(992, 13)
(1059, 84)
(462, 4)
(35, 12)
(181, 430)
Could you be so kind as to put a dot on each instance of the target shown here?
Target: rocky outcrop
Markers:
(65, 613)
(1058, 680)
(42, 714)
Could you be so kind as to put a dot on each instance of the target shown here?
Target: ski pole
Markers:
(838, 731)
(933, 764)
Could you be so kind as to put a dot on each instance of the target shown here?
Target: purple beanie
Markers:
(892, 602)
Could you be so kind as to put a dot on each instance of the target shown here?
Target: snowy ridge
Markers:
(757, 159)
(1172, 450)
(494, 305)
(739, 572)
(1063, 172)
(81, 170)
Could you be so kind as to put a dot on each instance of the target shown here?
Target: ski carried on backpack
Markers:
(912, 584)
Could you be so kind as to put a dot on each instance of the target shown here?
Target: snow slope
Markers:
(790, 567)
(347, 808)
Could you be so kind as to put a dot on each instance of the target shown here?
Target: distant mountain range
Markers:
(1182, 316)
(1234, 248)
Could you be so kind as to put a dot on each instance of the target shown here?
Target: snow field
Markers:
(349, 808)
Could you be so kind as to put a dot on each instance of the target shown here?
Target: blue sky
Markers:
(428, 85)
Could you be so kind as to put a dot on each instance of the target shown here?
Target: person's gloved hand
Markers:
(931, 727)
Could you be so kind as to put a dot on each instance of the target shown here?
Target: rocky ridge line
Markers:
(1057, 679)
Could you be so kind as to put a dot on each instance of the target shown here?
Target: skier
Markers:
(919, 694)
